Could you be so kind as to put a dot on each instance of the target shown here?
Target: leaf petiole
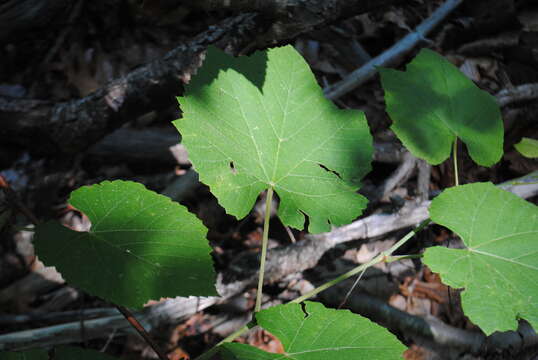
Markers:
(265, 240)
(379, 258)
(455, 157)
(393, 258)
(383, 256)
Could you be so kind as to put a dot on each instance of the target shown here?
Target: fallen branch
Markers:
(399, 176)
(170, 311)
(524, 92)
(157, 146)
(77, 124)
(444, 339)
(137, 146)
(389, 57)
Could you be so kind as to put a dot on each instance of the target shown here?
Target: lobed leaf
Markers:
(432, 103)
(141, 246)
(243, 140)
(319, 333)
(499, 267)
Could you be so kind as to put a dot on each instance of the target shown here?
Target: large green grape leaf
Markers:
(319, 334)
(141, 246)
(60, 353)
(287, 136)
(432, 103)
(499, 267)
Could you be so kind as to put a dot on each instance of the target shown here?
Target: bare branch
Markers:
(77, 124)
(389, 57)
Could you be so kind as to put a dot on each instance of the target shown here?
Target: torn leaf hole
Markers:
(232, 168)
(306, 223)
(329, 170)
(303, 308)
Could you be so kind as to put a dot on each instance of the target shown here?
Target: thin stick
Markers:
(140, 329)
(455, 156)
(290, 234)
(265, 240)
(234, 335)
(408, 42)
(352, 288)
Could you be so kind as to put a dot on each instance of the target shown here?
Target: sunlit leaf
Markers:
(141, 246)
(499, 268)
(287, 136)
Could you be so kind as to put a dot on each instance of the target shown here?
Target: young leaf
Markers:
(499, 267)
(141, 246)
(288, 136)
(432, 103)
(319, 334)
(527, 147)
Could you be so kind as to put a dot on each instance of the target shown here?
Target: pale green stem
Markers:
(234, 335)
(259, 294)
(385, 255)
(265, 240)
(379, 258)
(393, 258)
(517, 183)
(455, 156)
(213, 351)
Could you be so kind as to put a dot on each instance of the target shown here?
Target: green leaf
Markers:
(141, 246)
(288, 136)
(432, 103)
(319, 334)
(527, 147)
(499, 267)
(61, 353)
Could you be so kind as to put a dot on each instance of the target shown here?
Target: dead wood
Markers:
(75, 125)
(160, 146)
(447, 341)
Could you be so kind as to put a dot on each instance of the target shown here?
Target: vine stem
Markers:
(213, 351)
(259, 293)
(265, 240)
(379, 258)
(455, 156)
